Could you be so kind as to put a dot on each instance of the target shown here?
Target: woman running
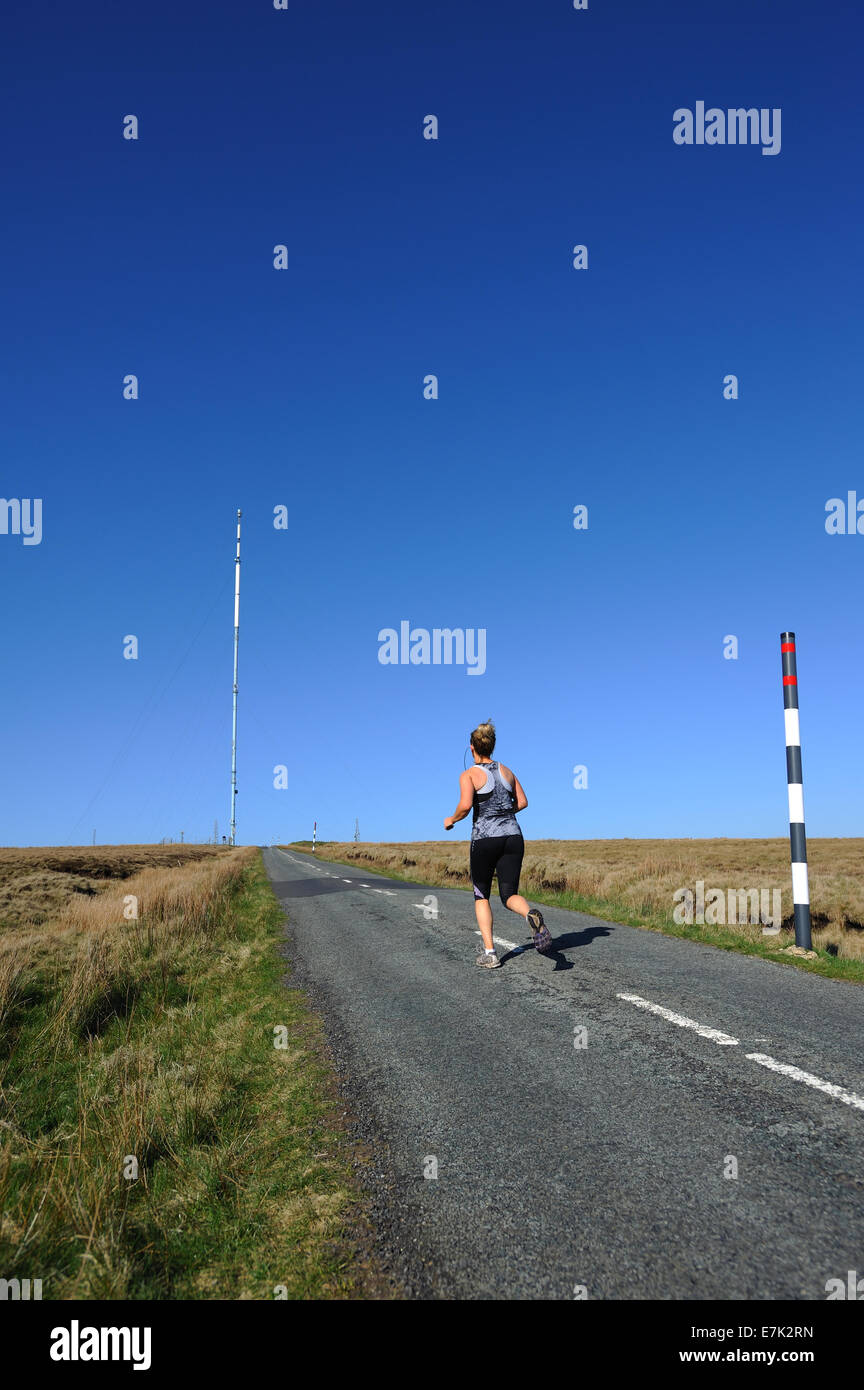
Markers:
(497, 846)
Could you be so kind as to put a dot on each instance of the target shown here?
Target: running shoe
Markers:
(488, 962)
(539, 929)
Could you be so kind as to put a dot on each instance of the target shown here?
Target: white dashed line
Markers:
(714, 1034)
(828, 1087)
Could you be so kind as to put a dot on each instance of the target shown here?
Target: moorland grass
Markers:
(152, 1039)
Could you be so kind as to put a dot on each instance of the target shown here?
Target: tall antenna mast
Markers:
(233, 834)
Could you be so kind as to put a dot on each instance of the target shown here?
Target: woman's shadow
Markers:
(559, 945)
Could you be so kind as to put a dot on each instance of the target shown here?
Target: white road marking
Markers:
(828, 1088)
(499, 941)
(714, 1034)
(847, 1097)
(389, 892)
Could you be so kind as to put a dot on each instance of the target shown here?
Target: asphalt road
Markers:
(602, 1166)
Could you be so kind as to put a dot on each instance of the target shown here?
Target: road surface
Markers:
(585, 1112)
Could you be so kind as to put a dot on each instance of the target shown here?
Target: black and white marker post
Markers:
(797, 837)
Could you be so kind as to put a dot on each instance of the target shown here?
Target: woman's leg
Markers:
(483, 909)
(482, 869)
(509, 868)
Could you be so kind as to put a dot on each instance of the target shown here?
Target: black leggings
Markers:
(501, 855)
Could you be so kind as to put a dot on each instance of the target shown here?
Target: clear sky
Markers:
(304, 388)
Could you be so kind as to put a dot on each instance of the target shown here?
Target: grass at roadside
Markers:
(633, 882)
(153, 1040)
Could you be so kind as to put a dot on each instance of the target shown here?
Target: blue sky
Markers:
(304, 387)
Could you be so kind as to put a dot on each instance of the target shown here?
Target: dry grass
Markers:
(36, 883)
(639, 877)
(138, 1021)
(12, 966)
(92, 943)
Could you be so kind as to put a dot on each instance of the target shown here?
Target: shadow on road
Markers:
(308, 887)
(320, 886)
(560, 944)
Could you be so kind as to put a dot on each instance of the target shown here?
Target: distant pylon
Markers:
(233, 833)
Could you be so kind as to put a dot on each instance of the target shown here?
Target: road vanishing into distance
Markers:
(585, 1110)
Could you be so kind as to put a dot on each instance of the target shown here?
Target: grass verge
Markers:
(151, 1044)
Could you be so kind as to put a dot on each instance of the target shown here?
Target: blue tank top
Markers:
(494, 806)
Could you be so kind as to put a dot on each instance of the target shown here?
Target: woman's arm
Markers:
(466, 801)
(521, 798)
